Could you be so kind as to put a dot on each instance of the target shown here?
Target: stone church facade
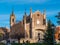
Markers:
(34, 26)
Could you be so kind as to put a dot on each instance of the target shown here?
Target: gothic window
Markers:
(38, 22)
(38, 36)
(13, 20)
(44, 21)
(37, 14)
(59, 37)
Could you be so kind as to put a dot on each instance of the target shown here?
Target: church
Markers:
(33, 26)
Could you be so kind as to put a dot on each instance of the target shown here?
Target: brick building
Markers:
(57, 34)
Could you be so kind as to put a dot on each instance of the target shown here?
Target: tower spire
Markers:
(12, 11)
(25, 11)
(12, 18)
(31, 12)
(44, 12)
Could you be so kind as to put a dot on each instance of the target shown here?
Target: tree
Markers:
(19, 36)
(1, 36)
(17, 31)
(6, 36)
(58, 18)
(49, 37)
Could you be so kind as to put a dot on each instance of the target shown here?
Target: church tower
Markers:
(30, 22)
(30, 12)
(44, 13)
(12, 19)
(44, 17)
(24, 22)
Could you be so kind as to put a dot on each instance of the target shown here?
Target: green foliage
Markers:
(49, 34)
(2, 44)
(0, 34)
(26, 44)
(58, 18)
(31, 44)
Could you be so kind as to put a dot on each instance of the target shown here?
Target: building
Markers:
(33, 25)
(4, 33)
(57, 34)
(15, 28)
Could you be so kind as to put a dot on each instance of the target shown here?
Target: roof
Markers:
(3, 30)
(18, 27)
(37, 12)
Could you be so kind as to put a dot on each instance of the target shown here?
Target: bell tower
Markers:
(30, 22)
(44, 17)
(44, 13)
(12, 19)
(24, 21)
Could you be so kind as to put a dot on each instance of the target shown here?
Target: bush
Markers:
(30, 44)
(2, 44)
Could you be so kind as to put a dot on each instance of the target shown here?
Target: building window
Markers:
(37, 14)
(58, 36)
(44, 21)
(38, 36)
(13, 20)
(38, 21)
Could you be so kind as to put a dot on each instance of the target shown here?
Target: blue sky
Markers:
(52, 8)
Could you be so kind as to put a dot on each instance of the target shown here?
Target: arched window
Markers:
(37, 14)
(13, 19)
(38, 36)
(58, 36)
(44, 21)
